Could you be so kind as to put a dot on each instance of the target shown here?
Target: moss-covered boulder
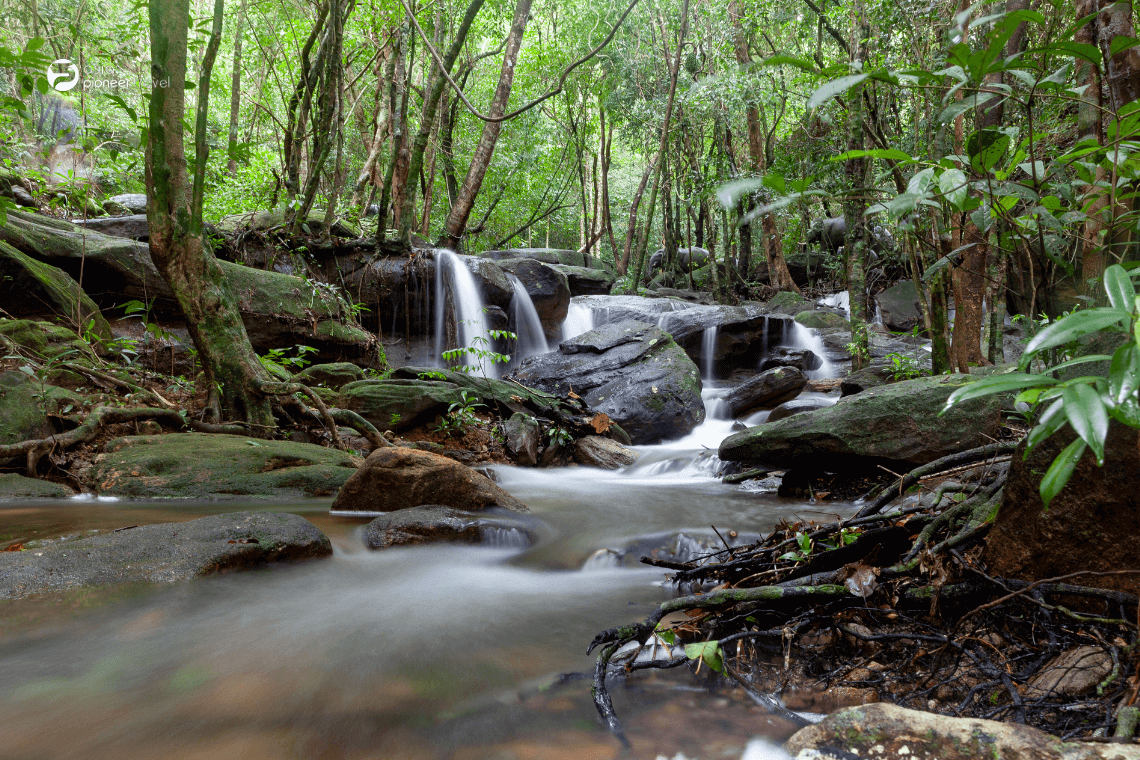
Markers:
(586, 282)
(897, 423)
(15, 487)
(161, 553)
(333, 375)
(631, 371)
(27, 406)
(29, 288)
(399, 404)
(267, 220)
(821, 320)
(787, 302)
(200, 465)
(46, 340)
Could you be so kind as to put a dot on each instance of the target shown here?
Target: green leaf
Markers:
(1124, 373)
(833, 89)
(952, 184)
(883, 153)
(988, 386)
(1072, 327)
(1060, 471)
(1081, 360)
(1118, 285)
(1087, 415)
(986, 147)
(1052, 420)
(709, 651)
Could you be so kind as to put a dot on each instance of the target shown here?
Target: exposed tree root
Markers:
(900, 603)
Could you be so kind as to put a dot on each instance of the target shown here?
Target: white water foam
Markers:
(802, 337)
(579, 319)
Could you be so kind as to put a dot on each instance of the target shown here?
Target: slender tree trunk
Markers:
(174, 212)
(380, 128)
(465, 201)
(631, 233)
(235, 94)
(428, 115)
(398, 130)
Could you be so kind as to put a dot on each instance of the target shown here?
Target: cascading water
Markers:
(802, 337)
(579, 319)
(525, 323)
(708, 352)
(451, 274)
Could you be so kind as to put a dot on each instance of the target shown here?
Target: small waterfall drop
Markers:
(803, 337)
(708, 351)
(525, 324)
(579, 319)
(470, 321)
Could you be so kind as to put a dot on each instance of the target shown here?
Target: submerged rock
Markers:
(886, 730)
(398, 478)
(766, 390)
(631, 371)
(202, 465)
(596, 451)
(432, 523)
(161, 553)
(898, 422)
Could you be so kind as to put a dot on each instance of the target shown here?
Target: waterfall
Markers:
(579, 319)
(764, 342)
(531, 338)
(451, 274)
(708, 352)
(802, 337)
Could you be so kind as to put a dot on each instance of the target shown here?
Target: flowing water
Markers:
(531, 339)
(452, 277)
(444, 651)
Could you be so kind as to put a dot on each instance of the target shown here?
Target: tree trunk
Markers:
(631, 233)
(427, 117)
(379, 131)
(175, 219)
(235, 94)
(465, 202)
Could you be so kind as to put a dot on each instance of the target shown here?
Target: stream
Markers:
(425, 652)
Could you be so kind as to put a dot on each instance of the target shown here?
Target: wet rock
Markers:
(13, 487)
(822, 320)
(399, 404)
(548, 288)
(398, 478)
(1070, 674)
(801, 358)
(596, 451)
(431, 523)
(692, 296)
(1097, 507)
(631, 371)
(333, 375)
(31, 288)
(586, 282)
(201, 465)
(797, 406)
(523, 437)
(897, 422)
(134, 226)
(766, 390)
(889, 731)
(132, 202)
(870, 377)
(899, 307)
(549, 256)
(161, 553)
(787, 302)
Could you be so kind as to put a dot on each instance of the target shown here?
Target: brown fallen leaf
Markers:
(601, 423)
(862, 581)
(517, 399)
(15, 548)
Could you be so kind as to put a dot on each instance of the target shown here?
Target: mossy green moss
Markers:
(28, 286)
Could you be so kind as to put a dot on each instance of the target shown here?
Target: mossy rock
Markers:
(28, 286)
(399, 404)
(264, 221)
(333, 375)
(822, 320)
(201, 465)
(25, 404)
(788, 302)
(46, 340)
(13, 486)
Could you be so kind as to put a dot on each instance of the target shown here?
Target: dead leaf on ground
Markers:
(517, 399)
(15, 548)
(861, 581)
(601, 423)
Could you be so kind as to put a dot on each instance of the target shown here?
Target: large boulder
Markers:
(27, 407)
(272, 219)
(548, 288)
(133, 202)
(161, 553)
(899, 307)
(596, 451)
(898, 422)
(17, 487)
(766, 390)
(432, 523)
(1096, 508)
(886, 730)
(822, 320)
(45, 340)
(399, 404)
(201, 465)
(797, 406)
(332, 375)
(586, 282)
(134, 226)
(398, 478)
(549, 256)
(31, 288)
(802, 359)
(631, 371)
